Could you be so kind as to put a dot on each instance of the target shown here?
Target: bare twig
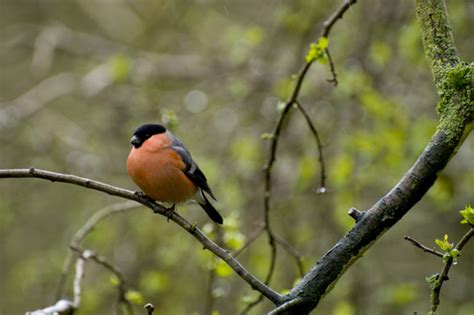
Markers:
(64, 306)
(102, 260)
(292, 251)
(293, 100)
(355, 214)
(332, 68)
(270, 271)
(322, 187)
(78, 278)
(250, 240)
(207, 243)
(61, 307)
(329, 23)
(85, 230)
(423, 247)
(211, 296)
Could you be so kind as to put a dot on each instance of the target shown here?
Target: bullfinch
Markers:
(163, 168)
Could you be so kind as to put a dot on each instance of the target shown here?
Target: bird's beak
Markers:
(136, 142)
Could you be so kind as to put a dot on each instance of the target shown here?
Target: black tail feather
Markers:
(211, 211)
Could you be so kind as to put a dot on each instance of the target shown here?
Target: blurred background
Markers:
(77, 77)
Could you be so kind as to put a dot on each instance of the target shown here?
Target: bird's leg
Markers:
(169, 212)
(142, 196)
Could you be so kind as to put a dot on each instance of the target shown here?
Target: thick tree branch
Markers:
(377, 220)
(455, 124)
(438, 41)
(207, 243)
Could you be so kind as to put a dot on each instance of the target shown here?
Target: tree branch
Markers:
(329, 23)
(426, 249)
(455, 124)
(207, 243)
(376, 221)
(438, 41)
(102, 260)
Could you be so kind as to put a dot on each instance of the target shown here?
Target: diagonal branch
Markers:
(207, 243)
(329, 23)
(455, 124)
(314, 131)
(426, 249)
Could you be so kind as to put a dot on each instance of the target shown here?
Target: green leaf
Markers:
(468, 215)
(323, 42)
(316, 51)
(134, 297)
(455, 254)
(444, 244)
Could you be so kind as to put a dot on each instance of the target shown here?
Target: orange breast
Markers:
(158, 171)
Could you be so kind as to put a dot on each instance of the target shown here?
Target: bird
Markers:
(162, 167)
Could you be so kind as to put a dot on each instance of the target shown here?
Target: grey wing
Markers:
(192, 170)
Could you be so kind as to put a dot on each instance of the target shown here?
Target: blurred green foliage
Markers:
(77, 77)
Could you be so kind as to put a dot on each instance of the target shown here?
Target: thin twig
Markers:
(210, 296)
(78, 278)
(313, 129)
(102, 260)
(443, 276)
(255, 235)
(293, 99)
(423, 247)
(64, 306)
(85, 230)
(332, 68)
(329, 23)
(207, 243)
(292, 251)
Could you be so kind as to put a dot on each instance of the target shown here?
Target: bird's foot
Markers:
(139, 194)
(142, 196)
(169, 212)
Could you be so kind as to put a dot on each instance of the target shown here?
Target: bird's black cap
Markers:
(144, 132)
